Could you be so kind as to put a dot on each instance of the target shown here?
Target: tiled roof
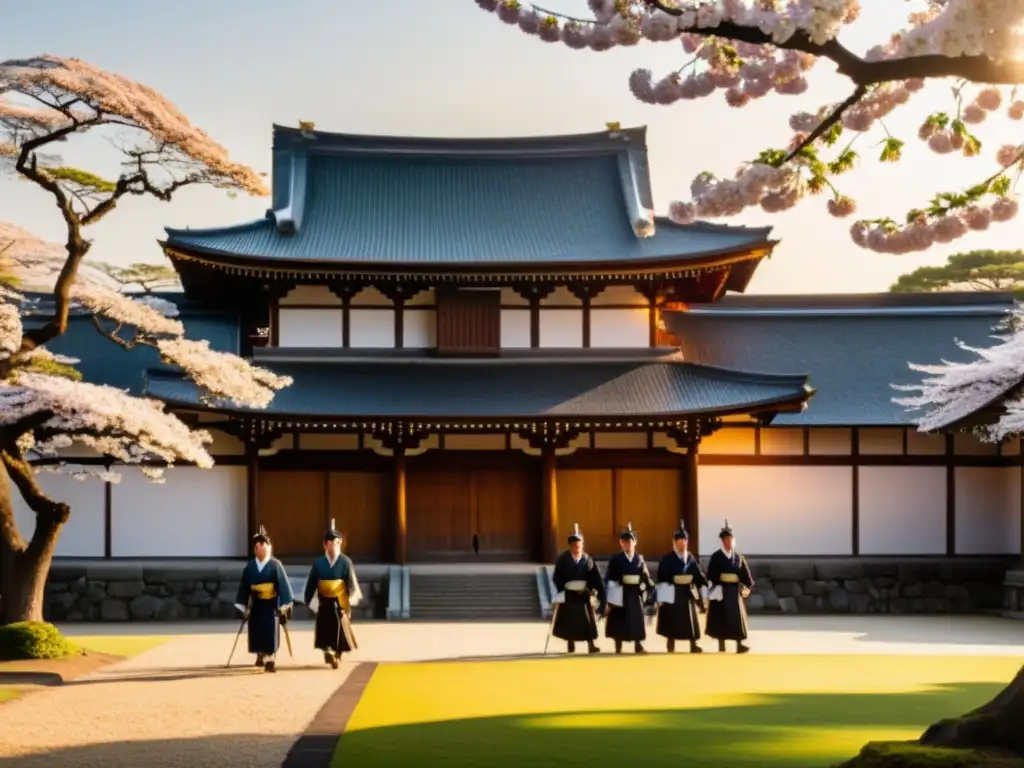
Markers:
(410, 388)
(103, 362)
(352, 201)
(854, 347)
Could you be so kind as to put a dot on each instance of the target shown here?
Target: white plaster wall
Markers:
(902, 510)
(620, 327)
(561, 328)
(778, 510)
(925, 443)
(561, 297)
(371, 328)
(830, 441)
(309, 327)
(782, 442)
(419, 329)
(509, 297)
(371, 297)
(735, 441)
(515, 328)
(195, 513)
(988, 510)
(967, 444)
(83, 534)
(619, 294)
(881, 442)
(311, 295)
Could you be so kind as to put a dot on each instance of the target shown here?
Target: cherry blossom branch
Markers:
(825, 125)
(976, 69)
(47, 510)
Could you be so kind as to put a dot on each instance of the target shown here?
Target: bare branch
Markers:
(825, 125)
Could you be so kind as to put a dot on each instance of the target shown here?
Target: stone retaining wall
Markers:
(878, 585)
(122, 592)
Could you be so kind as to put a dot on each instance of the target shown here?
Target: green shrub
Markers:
(910, 754)
(34, 640)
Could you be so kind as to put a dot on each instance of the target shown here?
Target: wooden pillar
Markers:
(855, 501)
(401, 522)
(252, 495)
(692, 507)
(950, 497)
(108, 515)
(550, 490)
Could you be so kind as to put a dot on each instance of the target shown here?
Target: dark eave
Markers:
(673, 266)
(595, 391)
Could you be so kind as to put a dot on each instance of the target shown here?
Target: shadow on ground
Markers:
(245, 749)
(777, 731)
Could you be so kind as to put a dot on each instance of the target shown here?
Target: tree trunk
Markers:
(22, 581)
(23, 568)
(996, 725)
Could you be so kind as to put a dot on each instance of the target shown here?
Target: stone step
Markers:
(496, 596)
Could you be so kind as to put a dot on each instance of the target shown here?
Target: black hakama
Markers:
(337, 589)
(678, 620)
(727, 618)
(625, 623)
(264, 592)
(576, 620)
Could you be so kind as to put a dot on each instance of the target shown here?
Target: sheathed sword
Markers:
(245, 618)
(551, 629)
(287, 636)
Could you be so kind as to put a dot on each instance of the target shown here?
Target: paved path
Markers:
(176, 705)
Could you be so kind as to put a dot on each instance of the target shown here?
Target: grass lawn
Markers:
(118, 645)
(6, 694)
(745, 711)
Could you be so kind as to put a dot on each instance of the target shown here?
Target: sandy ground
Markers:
(177, 705)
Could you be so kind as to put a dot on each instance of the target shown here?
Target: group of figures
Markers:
(265, 600)
(681, 589)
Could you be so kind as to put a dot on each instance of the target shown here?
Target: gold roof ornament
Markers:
(306, 126)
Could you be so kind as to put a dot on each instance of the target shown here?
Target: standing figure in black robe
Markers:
(576, 578)
(729, 575)
(333, 580)
(680, 571)
(627, 572)
(265, 600)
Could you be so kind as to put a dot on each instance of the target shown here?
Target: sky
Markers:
(446, 68)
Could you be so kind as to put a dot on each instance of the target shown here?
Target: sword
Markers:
(287, 638)
(245, 618)
(551, 629)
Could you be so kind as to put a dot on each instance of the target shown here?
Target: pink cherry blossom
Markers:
(841, 207)
(1009, 154)
(1004, 209)
(974, 114)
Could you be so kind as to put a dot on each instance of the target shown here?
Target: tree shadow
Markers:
(243, 749)
(772, 731)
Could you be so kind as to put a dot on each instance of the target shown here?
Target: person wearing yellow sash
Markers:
(731, 582)
(333, 580)
(679, 576)
(265, 600)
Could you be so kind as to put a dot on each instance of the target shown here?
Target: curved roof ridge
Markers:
(607, 139)
(709, 226)
(743, 375)
(228, 229)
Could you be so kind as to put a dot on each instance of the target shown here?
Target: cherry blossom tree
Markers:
(44, 404)
(750, 49)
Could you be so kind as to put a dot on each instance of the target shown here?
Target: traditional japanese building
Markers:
(492, 340)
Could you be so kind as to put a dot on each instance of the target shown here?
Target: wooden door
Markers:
(585, 496)
(652, 500)
(292, 507)
(440, 511)
(507, 503)
(359, 502)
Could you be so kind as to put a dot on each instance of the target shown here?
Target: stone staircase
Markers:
(474, 597)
